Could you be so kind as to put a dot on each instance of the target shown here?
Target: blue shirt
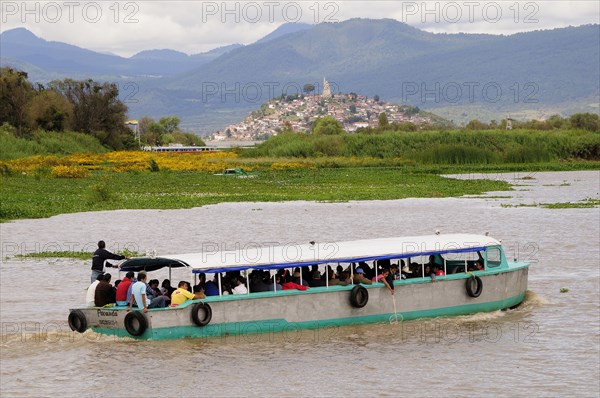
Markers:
(138, 290)
(211, 289)
(129, 289)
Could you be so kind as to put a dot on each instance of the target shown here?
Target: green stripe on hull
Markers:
(281, 325)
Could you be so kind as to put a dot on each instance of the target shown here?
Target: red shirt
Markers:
(290, 286)
(122, 289)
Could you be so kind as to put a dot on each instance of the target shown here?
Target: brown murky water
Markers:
(547, 347)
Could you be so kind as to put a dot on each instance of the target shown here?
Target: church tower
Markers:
(326, 89)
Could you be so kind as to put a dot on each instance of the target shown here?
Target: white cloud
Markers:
(128, 27)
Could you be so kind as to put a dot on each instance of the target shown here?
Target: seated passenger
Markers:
(359, 277)
(479, 265)
(139, 295)
(287, 284)
(154, 296)
(416, 270)
(157, 292)
(166, 288)
(429, 272)
(333, 280)
(226, 286)
(345, 279)
(277, 285)
(240, 287)
(328, 271)
(306, 273)
(105, 293)
(384, 264)
(130, 289)
(91, 291)
(212, 287)
(431, 261)
(257, 283)
(181, 295)
(200, 291)
(300, 281)
(394, 272)
(201, 281)
(386, 278)
(406, 272)
(316, 280)
(368, 272)
(438, 271)
(123, 287)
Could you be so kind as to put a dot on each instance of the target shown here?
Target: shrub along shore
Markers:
(391, 165)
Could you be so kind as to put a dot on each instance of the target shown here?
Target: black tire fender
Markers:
(201, 314)
(359, 296)
(474, 286)
(77, 321)
(136, 323)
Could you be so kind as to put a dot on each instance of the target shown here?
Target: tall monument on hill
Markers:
(326, 89)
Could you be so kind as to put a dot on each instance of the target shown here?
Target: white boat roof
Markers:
(292, 255)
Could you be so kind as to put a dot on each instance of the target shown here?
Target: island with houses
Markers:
(298, 112)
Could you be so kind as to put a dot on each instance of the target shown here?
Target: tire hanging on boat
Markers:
(136, 323)
(359, 296)
(474, 286)
(201, 314)
(77, 321)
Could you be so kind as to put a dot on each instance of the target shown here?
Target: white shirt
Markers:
(240, 289)
(91, 294)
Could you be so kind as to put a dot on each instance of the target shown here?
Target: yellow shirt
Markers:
(180, 296)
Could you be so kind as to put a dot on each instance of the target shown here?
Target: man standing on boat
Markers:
(100, 256)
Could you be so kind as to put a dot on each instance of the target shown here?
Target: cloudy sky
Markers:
(127, 27)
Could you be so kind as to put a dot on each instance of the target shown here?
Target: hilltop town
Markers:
(299, 112)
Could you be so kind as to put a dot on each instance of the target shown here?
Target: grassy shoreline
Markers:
(40, 196)
(77, 255)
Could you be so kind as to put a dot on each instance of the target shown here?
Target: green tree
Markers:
(97, 110)
(476, 125)
(15, 93)
(352, 108)
(405, 126)
(585, 121)
(169, 124)
(49, 110)
(383, 121)
(555, 121)
(376, 98)
(327, 125)
(308, 88)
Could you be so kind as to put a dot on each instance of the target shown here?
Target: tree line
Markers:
(69, 105)
(328, 125)
(84, 106)
(581, 121)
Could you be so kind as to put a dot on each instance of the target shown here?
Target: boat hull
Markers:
(319, 308)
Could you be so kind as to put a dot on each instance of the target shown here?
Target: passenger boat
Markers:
(499, 285)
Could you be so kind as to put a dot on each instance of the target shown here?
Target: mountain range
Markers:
(459, 76)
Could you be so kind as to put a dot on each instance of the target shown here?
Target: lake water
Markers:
(549, 346)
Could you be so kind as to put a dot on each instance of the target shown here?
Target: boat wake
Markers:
(533, 300)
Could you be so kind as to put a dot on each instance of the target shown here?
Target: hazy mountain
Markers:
(465, 75)
(500, 74)
(46, 60)
(283, 30)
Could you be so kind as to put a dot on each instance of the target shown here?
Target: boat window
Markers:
(494, 257)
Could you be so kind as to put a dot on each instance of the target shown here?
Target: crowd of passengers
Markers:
(143, 294)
